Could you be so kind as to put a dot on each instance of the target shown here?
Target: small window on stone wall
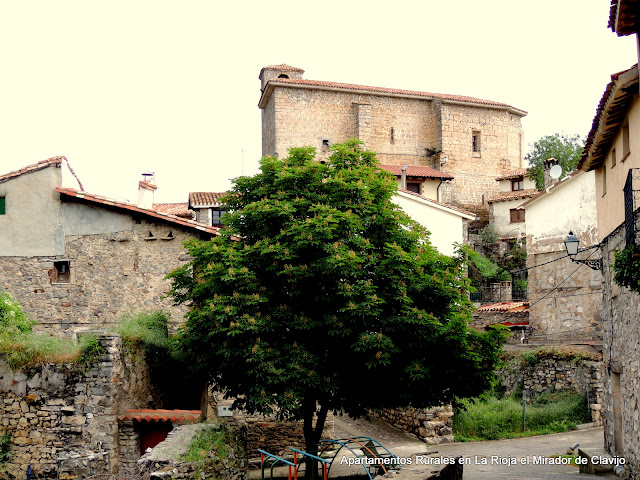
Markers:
(61, 272)
(475, 141)
(2, 206)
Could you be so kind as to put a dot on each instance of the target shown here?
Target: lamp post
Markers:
(572, 243)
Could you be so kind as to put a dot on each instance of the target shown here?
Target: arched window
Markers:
(283, 75)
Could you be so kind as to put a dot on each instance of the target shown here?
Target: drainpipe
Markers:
(403, 178)
(438, 191)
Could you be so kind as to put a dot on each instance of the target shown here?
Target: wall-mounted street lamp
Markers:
(571, 243)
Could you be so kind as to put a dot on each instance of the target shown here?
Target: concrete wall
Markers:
(610, 203)
(446, 227)
(573, 304)
(621, 338)
(32, 206)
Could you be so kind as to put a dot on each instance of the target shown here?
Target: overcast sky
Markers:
(123, 87)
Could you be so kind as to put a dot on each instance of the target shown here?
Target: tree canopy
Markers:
(564, 148)
(322, 295)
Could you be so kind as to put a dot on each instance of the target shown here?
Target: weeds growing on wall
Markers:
(489, 417)
(27, 349)
(5, 448)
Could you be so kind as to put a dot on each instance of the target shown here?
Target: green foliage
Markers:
(486, 268)
(488, 235)
(5, 448)
(13, 321)
(148, 328)
(565, 148)
(320, 291)
(626, 267)
(528, 358)
(210, 440)
(490, 418)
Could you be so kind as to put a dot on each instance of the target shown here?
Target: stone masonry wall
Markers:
(63, 418)
(557, 373)
(431, 425)
(621, 338)
(111, 275)
(401, 130)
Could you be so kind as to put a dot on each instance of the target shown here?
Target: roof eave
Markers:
(439, 206)
(266, 95)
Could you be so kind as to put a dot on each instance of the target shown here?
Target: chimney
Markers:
(403, 178)
(548, 179)
(145, 191)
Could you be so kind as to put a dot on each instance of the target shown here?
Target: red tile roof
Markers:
(130, 207)
(157, 415)
(520, 172)
(505, 307)
(384, 91)
(32, 168)
(435, 202)
(283, 67)
(208, 199)
(624, 16)
(177, 209)
(417, 171)
(504, 196)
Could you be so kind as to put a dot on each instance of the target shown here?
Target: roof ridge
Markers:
(34, 167)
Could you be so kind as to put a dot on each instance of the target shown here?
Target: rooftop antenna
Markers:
(149, 176)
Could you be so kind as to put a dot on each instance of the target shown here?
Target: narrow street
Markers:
(504, 458)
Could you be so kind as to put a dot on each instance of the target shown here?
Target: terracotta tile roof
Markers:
(283, 67)
(417, 171)
(435, 202)
(32, 168)
(157, 415)
(205, 199)
(385, 91)
(177, 209)
(610, 115)
(504, 196)
(130, 207)
(520, 172)
(505, 307)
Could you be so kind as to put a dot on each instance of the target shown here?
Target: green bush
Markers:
(13, 320)
(149, 328)
(491, 418)
(626, 267)
(5, 448)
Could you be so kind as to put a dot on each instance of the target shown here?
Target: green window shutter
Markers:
(2, 206)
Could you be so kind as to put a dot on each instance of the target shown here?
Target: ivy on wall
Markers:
(626, 267)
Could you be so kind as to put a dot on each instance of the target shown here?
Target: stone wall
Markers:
(63, 419)
(111, 274)
(621, 338)
(557, 372)
(431, 425)
(402, 130)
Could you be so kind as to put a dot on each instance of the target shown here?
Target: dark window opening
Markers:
(517, 215)
(215, 217)
(475, 141)
(413, 187)
(626, 149)
(2, 206)
(283, 75)
(517, 184)
(62, 271)
(613, 158)
(325, 144)
(393, 135)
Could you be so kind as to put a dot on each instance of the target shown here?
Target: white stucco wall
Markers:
(31, 225)
(505, 185)
(570, 205)
(501, 218)
(446, 226)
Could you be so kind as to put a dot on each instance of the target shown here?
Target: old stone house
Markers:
(471, 139)
(78, 261)
(612, 151)
(505, 212)
(566, 299)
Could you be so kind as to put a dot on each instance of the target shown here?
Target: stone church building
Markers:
(472, 140)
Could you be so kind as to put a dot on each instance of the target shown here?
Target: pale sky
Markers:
(123, 87)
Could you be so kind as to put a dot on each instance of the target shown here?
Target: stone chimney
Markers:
(146, 190)
(547, 164)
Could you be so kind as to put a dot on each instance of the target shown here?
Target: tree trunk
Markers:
(312, 434)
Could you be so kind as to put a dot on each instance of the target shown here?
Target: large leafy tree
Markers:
(321, 295)
(565, 148)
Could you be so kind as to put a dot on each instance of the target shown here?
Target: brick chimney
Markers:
(547, 164)
(145, 191)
